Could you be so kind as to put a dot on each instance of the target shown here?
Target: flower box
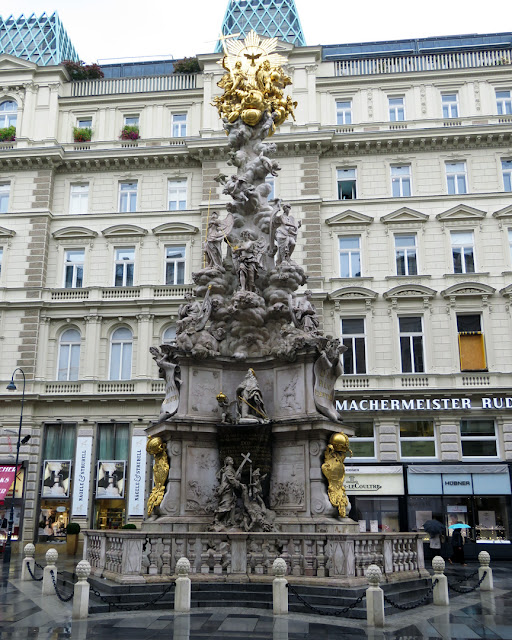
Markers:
(8, 134)
(130, 132)
(82, 134)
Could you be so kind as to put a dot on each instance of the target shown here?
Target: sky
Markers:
(112, 29)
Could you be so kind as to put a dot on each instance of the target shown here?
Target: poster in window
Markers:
(421, 518)
(56, 478)
(110, 479)
(487, 519)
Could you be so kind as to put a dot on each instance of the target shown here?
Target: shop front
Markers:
(7, 498)
(54, 513)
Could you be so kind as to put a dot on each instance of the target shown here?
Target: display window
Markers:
(5, 513)
(53, 519)
(109, 514)
(376, 515)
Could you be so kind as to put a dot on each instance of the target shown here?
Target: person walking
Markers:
(458, 548)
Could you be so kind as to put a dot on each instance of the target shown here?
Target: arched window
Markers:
(8, 115)
(169, 335)
(121, 354)
(69, 355)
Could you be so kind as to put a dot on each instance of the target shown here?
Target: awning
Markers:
(458, 468)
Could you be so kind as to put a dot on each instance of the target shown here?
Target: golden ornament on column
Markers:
(156, 447)
(333, 469)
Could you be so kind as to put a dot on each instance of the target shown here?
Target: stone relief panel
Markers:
(290, 391)
(202, 464)
(288, 484)
(204, 386)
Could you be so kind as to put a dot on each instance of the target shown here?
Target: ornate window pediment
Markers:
(352, 294)
(505, 213)
(349, 217)
(173, 228)
(74, 232)
(461, 212)
(6, 233)
(410, 291)
(468, 290)
(404, 214)
(124, 230)
(8, 62)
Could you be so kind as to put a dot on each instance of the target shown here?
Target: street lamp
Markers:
(12, 387)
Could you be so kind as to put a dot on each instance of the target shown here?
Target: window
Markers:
(84, 123)
(8, 115)
(504, 103)
(113, 439)
(478, 439)
(169, 335)
(456, 177)
(179, 125)
(401, 181)
(124, 265)
(344, 112)
(506, 166)
(5, 189)
(397, 109)
(362, 442)
(417, 439)
(127, 197)
(471, 343)
(1, 259)
(463, 251)
(450, 102)
(131, 121)
(405, 255)
(121, 354)
(350, 256)
(411, 344)
(346, 184)
(74, 268)
(59, 441)
(177, 195)
(510, 243)
(353, 336)
(69, 355)
(271, 181)
(174, 265)
(79, 198)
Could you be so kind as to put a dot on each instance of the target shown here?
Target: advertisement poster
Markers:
(82, 476)
(7, 480)
(137, 476)
(56, 478)
(487, 519)
(421, 518)
(110, 479)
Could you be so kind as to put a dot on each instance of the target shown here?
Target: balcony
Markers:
(431, 382)
(144, 84)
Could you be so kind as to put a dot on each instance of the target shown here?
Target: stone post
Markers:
(81, 592)
(279, 588)
(51, 559)
(374, 597)
(182, 589)
(485, 560)
(29, 551)
(441, 598)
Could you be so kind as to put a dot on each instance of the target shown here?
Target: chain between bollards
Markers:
(59, 595)
(32, 575)
(468, 589)
(412, 605)
(322, 612)
(136, 607)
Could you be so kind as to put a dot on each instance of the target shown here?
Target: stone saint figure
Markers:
(283, 232)
(226, 493)
(247, 258)
(217, 231)
(304, 313)
(250, 406)
(167, 369)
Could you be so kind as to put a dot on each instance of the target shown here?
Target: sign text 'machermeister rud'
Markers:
(422, 404)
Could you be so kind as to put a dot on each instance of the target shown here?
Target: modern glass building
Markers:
(269, 18)
(41, 40)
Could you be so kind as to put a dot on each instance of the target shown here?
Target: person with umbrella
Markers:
(435, 530)
(457, 541)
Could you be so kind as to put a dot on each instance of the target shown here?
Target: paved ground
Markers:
(25, 614)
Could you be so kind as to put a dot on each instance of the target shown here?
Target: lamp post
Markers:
(12, 387)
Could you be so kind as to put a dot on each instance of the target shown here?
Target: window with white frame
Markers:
(463, 251)
(74, 268)
(471, 342)
(271, 181)
(5, 189)
(346, 180)
(84, 123)
(353, 337)
(124, 266)
(177, 195)
(69, 355)
(179, 125)
(417, 439)
(79, 197)
(128, 196)
(478, 439)
(405, 254)
(504, 102)
(506, 167)
(121, 354)
(401, 181)
(169, 335)
(411, 344)
(8, 114)
(1, 259)
(350, 256)
(396, 109)
(175, 264)
(344, 112)
(131, 120)
(450, 102)
(456, 178)
(362, 443)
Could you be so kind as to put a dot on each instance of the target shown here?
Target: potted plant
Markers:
(130, 525)
(82, 134)
(130, 132)
(187, 65)
(8, 134)
(72, 531)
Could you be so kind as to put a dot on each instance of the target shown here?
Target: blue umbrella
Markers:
(459, 526)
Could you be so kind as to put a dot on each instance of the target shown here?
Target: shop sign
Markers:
(6, 480)
(56, 478)
(459, 484)
(423, 404)
(80, 503)
(374, 480)
(110, 479)
(137, 476)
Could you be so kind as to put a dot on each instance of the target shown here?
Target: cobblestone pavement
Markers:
(25, 614)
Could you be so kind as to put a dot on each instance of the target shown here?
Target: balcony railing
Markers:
(111, 293)
(145, 84)
(430, 62)
(431, 381)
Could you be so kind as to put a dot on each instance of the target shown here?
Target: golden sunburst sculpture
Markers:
(254, 81)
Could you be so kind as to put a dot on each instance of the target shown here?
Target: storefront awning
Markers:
(458, 468)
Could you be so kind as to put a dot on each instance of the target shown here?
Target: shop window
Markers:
(69, 355)
(112, 454)
(113, 441)
(59, 441)
(346, 184)
(478, 439)
(411, 344)
(405, 254)
(350, 256)
(382, 512)
(471, 343)
(121, 354)
(362, 442)
(353, 336)
(492, 518)
(417, 439)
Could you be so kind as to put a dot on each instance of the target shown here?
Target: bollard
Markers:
(182, 589)
(485, 560)
(29, 551)
(51, 559)
(440, 593)
(279, 589)
(374, 597)
(81, 591)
